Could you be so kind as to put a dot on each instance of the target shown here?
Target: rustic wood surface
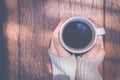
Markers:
(112, 40)
(26, 27)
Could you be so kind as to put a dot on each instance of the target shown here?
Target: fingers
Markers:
(99, 43)
(52, 48)
(59, 48)
(97, 51)
(56, 46)
(101, 52)
(56, 31)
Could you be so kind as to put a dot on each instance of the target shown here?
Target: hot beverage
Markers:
(77, 35)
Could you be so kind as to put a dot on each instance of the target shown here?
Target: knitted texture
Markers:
(73, 68)
(63, 68)
(87, 69)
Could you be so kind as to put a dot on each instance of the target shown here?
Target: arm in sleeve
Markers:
(63, 68)
(87, 69)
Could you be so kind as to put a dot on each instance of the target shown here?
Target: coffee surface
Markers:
(77, 35)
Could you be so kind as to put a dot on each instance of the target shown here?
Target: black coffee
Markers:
(77, 35)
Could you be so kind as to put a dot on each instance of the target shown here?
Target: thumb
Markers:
(60, 50)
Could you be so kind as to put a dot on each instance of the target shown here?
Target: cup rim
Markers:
(89, 23)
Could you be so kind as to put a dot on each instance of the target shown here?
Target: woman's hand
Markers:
(56, 47)
(98, 49)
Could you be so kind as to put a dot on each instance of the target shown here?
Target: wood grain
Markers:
(26, 28)
(33, 41)
(9, 39)
(37, 21)
(112, 40)
(12, 31)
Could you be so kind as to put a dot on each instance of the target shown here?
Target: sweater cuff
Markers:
(87, 69)
(63, 68)
(92, 62)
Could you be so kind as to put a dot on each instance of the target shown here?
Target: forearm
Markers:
(87, 69)
(63, 68)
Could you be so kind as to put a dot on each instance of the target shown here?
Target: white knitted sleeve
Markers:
(63, 68)
(87, 69)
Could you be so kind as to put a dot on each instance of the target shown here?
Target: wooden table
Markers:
(26, 27)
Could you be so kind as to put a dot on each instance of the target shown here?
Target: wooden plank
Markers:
(34, 39)
(9, 40)
(12, 32)
(86, 8)
(3, 46)
(112, 40)
(38, 18)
